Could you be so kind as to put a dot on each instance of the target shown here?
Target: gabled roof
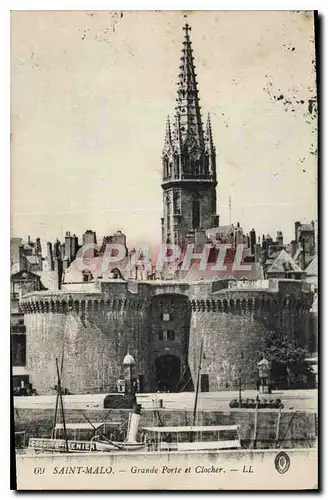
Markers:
(270, 260)
(312, 268)
(284, 263)
(25, 275)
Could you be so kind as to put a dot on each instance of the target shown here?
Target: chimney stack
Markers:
(50, 259)
(252, 235)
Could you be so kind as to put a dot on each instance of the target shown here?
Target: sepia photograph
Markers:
(164, 250)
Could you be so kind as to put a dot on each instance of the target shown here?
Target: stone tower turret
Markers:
(189, 161)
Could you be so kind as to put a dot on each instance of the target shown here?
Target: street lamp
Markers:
(128, 364)
(240, 379)
(263, 367)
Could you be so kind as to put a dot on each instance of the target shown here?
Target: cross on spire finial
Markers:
(187, 28)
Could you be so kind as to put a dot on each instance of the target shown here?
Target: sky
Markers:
(90, 93)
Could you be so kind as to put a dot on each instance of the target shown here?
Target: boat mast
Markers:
(198, 379)
(60, 396)
(57, 398)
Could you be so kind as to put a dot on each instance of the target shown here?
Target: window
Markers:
(195, 214)
(166, 335)
(166, 317)
(227, 435)
(18, 345)
(176, 198)
(170, 335)
(87, 276)
(185, 437)
(208, 436)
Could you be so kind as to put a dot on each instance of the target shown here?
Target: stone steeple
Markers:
(168, 138)
(189, 160)
(188, 107)
(210, 148)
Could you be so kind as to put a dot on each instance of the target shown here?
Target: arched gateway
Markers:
(168, 372)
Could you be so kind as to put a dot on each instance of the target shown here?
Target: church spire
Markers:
(168, 137)
(209, 136)
(189, 162)
(188, 108)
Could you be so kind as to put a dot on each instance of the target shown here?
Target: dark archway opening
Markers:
(168, 373)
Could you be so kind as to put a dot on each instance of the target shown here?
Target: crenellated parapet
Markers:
(250, 302)
(68, 304)
(239, 304)
(268, 296)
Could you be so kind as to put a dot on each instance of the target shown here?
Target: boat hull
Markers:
(46, 446)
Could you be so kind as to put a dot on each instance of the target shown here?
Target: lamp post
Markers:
(240, 378)
(263, 367)
(128, 364)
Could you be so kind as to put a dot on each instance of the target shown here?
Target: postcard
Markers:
(164, 250)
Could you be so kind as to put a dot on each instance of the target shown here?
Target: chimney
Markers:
(238, 235)
(58, 267)
(38, 249)
(280, 238)
(75, 246)
(257, 252)
(252, 235)
(50, 259)
(293, 247)
(297, 225)
(68, 246)
(62, 251)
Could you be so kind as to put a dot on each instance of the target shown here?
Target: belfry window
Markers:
(176, 209)
(176, 166)
(195, 214)
(166, 166)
